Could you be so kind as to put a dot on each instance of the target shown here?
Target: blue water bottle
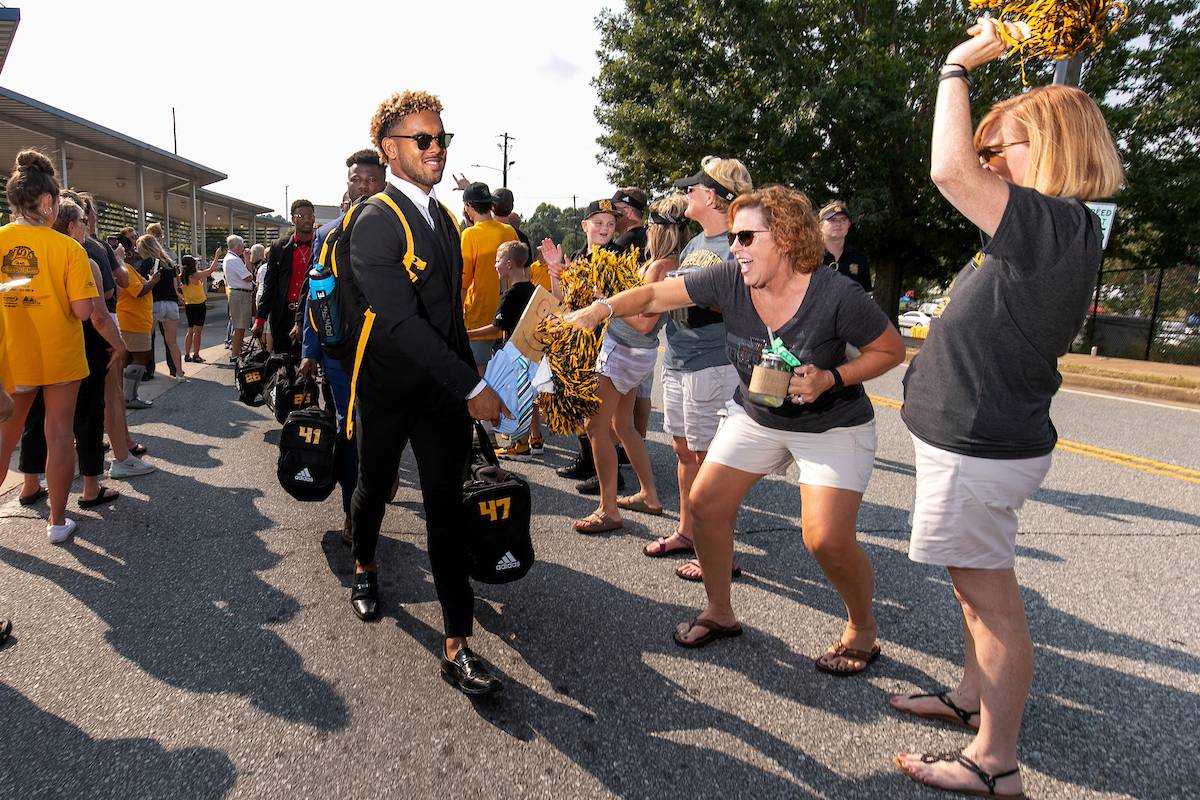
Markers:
(322, 305)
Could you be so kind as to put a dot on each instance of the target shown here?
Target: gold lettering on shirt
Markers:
(699, 259)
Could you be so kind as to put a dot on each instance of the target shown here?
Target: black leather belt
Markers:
(237, 289)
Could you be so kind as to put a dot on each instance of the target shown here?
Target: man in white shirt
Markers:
(241, 291)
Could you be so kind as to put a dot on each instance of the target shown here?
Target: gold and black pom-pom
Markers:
(1058, 29)
(572, 351)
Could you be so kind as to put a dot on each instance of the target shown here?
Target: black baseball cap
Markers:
(622, 197)
(478, 193)
(503, 199)
(832, 209)
(702, 178)
(600, 207)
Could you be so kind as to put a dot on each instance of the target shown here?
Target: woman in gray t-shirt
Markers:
(977, 397)
(773, 289)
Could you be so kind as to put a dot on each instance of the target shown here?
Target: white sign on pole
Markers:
(1107, 212)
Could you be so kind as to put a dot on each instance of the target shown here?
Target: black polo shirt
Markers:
(634, 237)
(853, 264)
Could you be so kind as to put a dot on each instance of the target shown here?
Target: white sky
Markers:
(276, 94)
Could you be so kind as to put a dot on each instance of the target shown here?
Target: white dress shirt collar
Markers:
(417, 195)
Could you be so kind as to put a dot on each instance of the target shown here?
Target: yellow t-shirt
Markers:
(135, 314)
(193, 293)
(482, 284)
(5, 373)
(539, 275)
(46, 342)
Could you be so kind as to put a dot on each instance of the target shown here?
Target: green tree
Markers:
(837, 100)
(560, 225)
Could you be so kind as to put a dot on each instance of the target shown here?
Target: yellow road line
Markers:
(1099, 453)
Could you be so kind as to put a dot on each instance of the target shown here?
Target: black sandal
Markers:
(106, 495)
(960, 716)
(33, 498)
(5, 630)
(987, 779)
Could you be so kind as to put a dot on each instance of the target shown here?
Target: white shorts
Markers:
(965, 510)
(840, 458)
(692, 403)
(627, 367)
(646, 387)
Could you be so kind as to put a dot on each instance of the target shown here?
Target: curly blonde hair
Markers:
(396, 108)
(792, 222)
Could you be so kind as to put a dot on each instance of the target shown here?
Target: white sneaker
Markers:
(131, 467)
(57, 534)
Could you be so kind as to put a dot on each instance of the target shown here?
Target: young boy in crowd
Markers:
(511, 258)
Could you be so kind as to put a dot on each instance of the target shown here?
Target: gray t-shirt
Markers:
(982, 383)
(696, 336)
(835, 311)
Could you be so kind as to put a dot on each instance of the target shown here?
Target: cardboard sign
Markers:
(540, 306)
(1107, 212)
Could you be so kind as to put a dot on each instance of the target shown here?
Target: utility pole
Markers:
(174, 131)
(505, 164)
(285, 197)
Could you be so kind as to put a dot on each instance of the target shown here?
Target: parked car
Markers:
(910, 319)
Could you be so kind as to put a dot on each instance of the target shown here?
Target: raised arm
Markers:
(954, 166)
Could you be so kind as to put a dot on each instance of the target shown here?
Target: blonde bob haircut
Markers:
(792, 222)
(1071, 152)
(728, 172)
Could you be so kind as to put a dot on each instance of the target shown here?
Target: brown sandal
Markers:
(635, 503)
(715, 632)
(839, 650)
(597, 522)
(736, 572)
(658, 548)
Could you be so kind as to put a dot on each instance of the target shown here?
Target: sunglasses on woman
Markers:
(991, 152)
(423, 140)
(744, 238)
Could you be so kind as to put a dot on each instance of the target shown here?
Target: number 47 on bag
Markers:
(495, 509)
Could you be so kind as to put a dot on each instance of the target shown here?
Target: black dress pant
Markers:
(89, 415)
(441, 443)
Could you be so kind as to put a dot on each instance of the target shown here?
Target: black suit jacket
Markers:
(274, 305)
(418, 349)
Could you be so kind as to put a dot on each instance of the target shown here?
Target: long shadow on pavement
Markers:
(45, 756)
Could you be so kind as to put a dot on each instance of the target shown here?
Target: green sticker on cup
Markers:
(779, 349)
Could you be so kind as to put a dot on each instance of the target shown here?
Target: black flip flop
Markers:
(715, 632)
(5, 630)
(35, 497)
(138, 449)
(736, 573)
(106, 495)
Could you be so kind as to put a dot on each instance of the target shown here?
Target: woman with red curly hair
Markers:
(772, 294)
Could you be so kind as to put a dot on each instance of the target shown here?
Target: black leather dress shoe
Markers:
(364, 596)
(592, 485)
(467, 673)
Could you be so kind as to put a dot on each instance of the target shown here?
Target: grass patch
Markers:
(1139, 377)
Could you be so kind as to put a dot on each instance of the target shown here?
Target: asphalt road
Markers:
(196, 640)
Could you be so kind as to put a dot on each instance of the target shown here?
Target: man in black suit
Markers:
(283, 284)
(416, 379)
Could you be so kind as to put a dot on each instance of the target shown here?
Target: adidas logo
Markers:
(507, 562)
(304, 476)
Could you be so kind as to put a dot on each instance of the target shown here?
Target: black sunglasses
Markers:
(423, 140)
(744, 238)
(991, 152)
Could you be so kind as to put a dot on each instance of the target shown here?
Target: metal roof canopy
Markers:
(10, 18)
(108, 164)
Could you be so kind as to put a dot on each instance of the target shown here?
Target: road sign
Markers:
(1107, 212)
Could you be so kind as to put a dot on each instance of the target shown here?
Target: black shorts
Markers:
(196, 313)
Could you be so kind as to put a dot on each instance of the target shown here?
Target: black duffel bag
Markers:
(250, 374)
(285, 389)
(306, 467)
(497, 509)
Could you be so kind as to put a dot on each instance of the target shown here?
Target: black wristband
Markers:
(952, 64)
(956, 73)
(838, 383)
